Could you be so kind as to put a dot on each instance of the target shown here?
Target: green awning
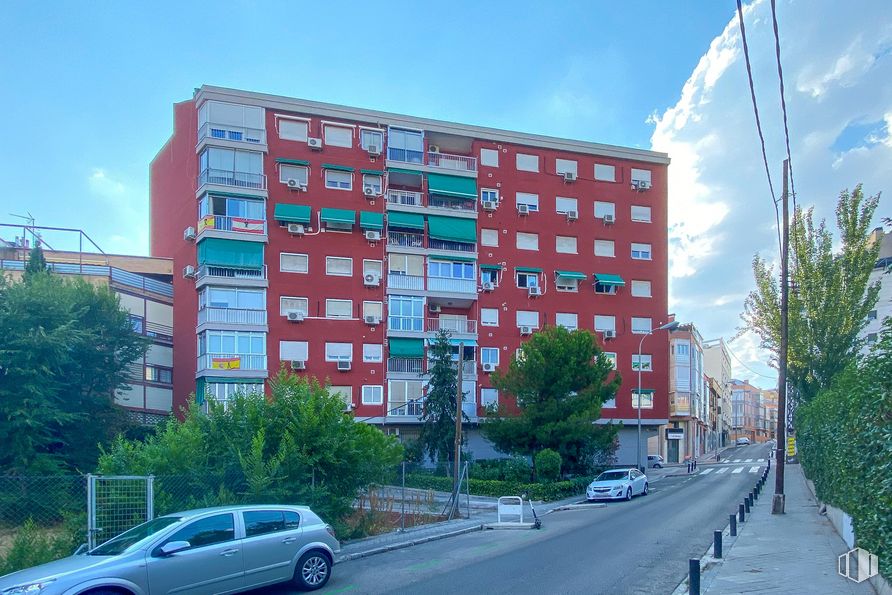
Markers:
(292, 161)
(372, 172)
(406, 347)
(528, 269)
(453, 258)
(234, 195)
(452, 229)
(337, 167)
(292, 213)
(339, 216)
(467, 342)
(452, 186)
(399, 170)
(369, 220)
(233, 254)
(570, 274)
(644, 391)
(405, 220)
(605, 279)
(491, 267)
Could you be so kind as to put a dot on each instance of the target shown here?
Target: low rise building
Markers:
(748, 414)
(871, 332)
(717, 365)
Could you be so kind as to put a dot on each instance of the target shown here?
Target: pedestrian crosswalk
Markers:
(722, 470)
(738, 469)
(706, 471)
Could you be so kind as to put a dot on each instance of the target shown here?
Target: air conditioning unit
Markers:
(523, 209)
(433, 308)
(369, 191)
(373, 319)
(490, 205)
(640, 185)
(344, 365)
(295, 184)
(609, 334)
(374, 150)
(526, 330)
(534, 291)
(572, 215)
(189, 234)
(488, 367)
(489, 286)
(297, 229)
(373, 236)
(315, 143)
(569, 176)
(188, 272)
(609, 219)
(371, 280)
(433, 149)
(298, 364)
(294, 315)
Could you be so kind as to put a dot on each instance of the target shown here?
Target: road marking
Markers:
(705, 471)
(748, 461)
(736, 461)
(722, 470)
(426, 564)
(755, 469)
(760, 460)
(738, 470)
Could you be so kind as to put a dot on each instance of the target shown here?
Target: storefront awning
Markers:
(605, 279)
(338, 216)
(368, 220)
(405, 220)
(452, 186)
(452, 229)
(292, 213)
(406, 347)
(570, 274)
(232, 254)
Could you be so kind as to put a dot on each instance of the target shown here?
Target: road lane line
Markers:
(738, 470)
(705, 471)
(722, 470)
(748, 461)
(755, 469)
(736, 461)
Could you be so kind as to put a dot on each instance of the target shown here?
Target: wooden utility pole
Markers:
(456, 479)
(777, 504)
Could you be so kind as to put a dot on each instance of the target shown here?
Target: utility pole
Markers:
(777, 504)
(456, 479)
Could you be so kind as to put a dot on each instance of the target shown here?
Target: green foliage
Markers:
(516, 469)
(495, 488)
(844, 437)
(66, 348)
(437, 436)
(560, 382)
(297, 446)
(33, 545)
(36, 261)
(548, 465)
(832, 298)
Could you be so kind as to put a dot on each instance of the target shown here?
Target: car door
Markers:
(212, 564)
(638, 480)
(272, 540)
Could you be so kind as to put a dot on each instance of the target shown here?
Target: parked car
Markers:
(654, 461)
(617, 484)
(212, 550)
(742, 441)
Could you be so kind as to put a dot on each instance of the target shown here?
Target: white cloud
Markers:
(125, 204)
(103, 185)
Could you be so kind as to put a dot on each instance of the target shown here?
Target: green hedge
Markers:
(489, 487)
(844, 437)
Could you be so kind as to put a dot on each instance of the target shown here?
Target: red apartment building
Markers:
(336, 241)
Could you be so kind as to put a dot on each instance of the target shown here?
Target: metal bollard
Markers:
(694, 570)
(733, 519)
(755, 493)
(741, 513)
(717, 544)
(746, 504)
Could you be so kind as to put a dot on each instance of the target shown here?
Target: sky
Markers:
(89, 90)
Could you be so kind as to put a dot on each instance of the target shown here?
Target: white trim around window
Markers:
(372, 394)
(339, 266)
(335, 308)
(338, 180)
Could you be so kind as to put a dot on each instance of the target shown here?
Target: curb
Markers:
(405, 544)
(577, 507)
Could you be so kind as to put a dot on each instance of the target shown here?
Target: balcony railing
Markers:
(160, 333)
(395, 281)
(405, 155)
(235, 133)
(405, 365)
(454, 204)
(231, 361)
(405, 239)
(405, 198)
(234, 224)
(239, 179)
(406, 324)
(410, 409)
(451, 285)
(227, 273)
(468, 368)
(454, 162)
(231, 316)
(453, 325)
(449, 245)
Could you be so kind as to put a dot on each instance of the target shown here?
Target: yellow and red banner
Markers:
(206, 222)
(247, 225)
(226, 363)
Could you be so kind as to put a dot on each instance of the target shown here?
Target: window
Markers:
(450, 270)
(338, 180)
(373, 309)
(301, 304)
(641, 325)
(565, 244)
(489, 157)
(219, 161)
(405, 397)
(372, 353)
(489, 355)
(527, 162)
(371, 138)
(644, 362)
(871, 338)
(527, 318)
(233, 343)
(604, 208)
(604, 248)
(489, 276)
(345, 393)
(489, 316)
(241, 299)
(566, 284)
(207, 531)
(261, 522)
(405, 313)
(489, 397)
(525, 280)
(228, 206)
(374, 267)
(405, 145)
(293, 263)
(641, 251)
(339, 266)
(605, 288)
(562, 205)
(529, 199)
(338, 352)
(682, 350)
(641, 289)
(609, 404)
(605, 173)
(159, 374)
(489, 237)
(872, 315)
(562, 166)
(489, 195)
(372, 394)
(640, 214)
(605, 322)
(293, 351)
(338, 308)
(611, 357)
(406, 264)
(293, 129)
(373, 181)
(567, 320)
(646, 398)
(338, 136)
(527, 241)
(137, 323)
(640, 175)
(295, 172)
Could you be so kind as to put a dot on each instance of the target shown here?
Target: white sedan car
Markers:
(617, 484)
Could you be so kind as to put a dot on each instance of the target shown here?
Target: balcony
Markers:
(453, 204)
(160, 333)
(405, 239)
(405, 155)
(395, 281)
(444, 161)
(227, 273)
(406, 409)
(468, 369)
(434, 244)
(240, 225)
(680, 406)
(236, 179)
(220, 362)
(232, 133)
(232, 316)
(448, 285)
(401, 365)
(452, 325)
(405, 198)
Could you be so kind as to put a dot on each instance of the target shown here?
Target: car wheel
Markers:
(644, 493)
(658, 466)
(313, 571)
(628, 494)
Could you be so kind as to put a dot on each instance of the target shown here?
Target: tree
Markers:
(830, 298)
(437, 435)
(66, 348)
(560, 381)
(36, 262)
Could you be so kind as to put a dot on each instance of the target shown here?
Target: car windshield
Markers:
(123, 542)
(613, 476)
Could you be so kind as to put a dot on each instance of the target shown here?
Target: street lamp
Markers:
(669, 326)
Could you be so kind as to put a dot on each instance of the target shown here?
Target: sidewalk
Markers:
(791, 553)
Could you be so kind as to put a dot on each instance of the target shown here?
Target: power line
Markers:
(780, 76)
(739, 361)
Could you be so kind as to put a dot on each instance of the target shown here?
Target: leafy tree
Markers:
(831, 294)
(548, 465)
(437, 436)
(66, 348)
(560, 382)
(36, 262)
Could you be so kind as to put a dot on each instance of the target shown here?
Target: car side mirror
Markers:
(172, 547)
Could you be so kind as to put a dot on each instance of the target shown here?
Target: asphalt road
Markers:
(640, 546)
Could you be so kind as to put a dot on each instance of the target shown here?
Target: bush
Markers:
(517, 469)
(548, 465)
(495, 488)
(33, 546)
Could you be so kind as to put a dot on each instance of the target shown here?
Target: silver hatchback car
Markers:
(213, 550)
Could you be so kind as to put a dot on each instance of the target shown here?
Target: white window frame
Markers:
(530, 199)
(526, 157)
(399, 264)
(486, 236)
(303, 178)
(364, 145)
(489, 396)
(306, 258)
(638, 329)
(375, 267)
(637, 287)
(490, 351)
(378, 186)
(561, 319)
(529, 239)
(605, 318)
(528, 276)
(343, 392)
(604, 208)
(292, 120)
(489, 194)
(645, 399)
(490, 276)
(640, 175)
(372, 353)
(372, 308)
(644, 251)
(567, 240)
(305, 308)
(373, 389)
(330, 260)
(602, 176)
(640, 213)
(604, 243)
(484, 321)
(330, 125)
(611, 355)
(336, 185)
(331, 347)
(646, 359)
(562, 166)
(300, 347)
(604, 288)
(486, 161)
(564, 204)
(527, 314)
(565, 285)
(333, 301)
